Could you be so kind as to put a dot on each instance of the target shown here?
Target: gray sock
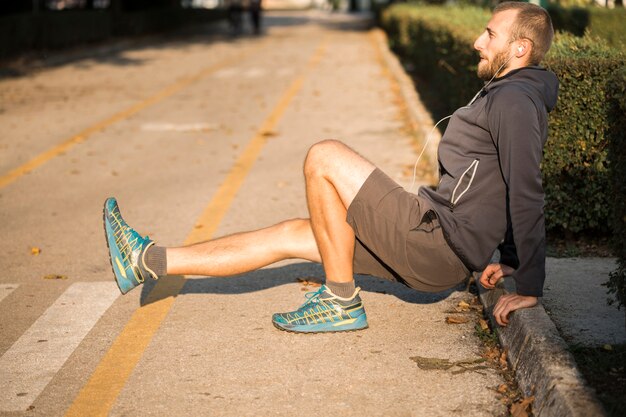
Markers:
(156, 260)
(341, 289)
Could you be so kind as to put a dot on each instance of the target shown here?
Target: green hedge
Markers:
(617, 161)
(607, 24)
(576, 163)
(583, 164)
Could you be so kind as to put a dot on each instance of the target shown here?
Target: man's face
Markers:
(493, 44)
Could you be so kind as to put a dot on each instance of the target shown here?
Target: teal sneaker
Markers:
(126, 249)
(324, 311)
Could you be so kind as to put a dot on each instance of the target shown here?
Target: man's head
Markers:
(517, 35)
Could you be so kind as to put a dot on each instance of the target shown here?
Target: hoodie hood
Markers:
(537, 81)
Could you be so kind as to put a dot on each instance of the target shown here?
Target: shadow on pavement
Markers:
(115, 51)
(272, 277)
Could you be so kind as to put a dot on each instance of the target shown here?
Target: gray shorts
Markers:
(398, 237)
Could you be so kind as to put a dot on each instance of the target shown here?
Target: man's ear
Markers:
(522, 48)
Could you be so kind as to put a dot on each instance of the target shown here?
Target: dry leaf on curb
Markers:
(35, 250)
(502, 388)
(492, 353)
(464, 306)
(520, 409)
(54, 276)
(456, 320)
(483, 324)
(503, 359)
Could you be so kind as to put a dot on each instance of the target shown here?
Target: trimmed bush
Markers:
(617, 161)
(576, 167)
(607, 24)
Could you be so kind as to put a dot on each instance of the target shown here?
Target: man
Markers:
(489, 195)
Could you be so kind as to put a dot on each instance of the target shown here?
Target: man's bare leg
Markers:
(244, 252)
(334, 175)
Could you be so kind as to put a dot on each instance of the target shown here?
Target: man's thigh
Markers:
(399, 237)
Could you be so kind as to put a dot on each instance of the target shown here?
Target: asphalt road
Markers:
(200, 135)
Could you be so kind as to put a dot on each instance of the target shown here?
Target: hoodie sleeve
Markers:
(508, 252)
(516, 128)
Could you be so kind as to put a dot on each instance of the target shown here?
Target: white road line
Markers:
(283, 72)
(31, 363)
(254, 72)
(6, 289)
(226, 73)
(178, 127)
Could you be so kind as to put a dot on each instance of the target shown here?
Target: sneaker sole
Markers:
(106, 238)
(359, 324)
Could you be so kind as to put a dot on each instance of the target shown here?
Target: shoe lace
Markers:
(312, 297)
(126, 234)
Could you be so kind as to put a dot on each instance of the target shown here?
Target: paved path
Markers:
(576, 300)
(202, 136)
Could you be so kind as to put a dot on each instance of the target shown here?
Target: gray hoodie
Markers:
(490, 192)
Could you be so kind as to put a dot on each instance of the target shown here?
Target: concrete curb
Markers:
(541, 361)
(537, 354)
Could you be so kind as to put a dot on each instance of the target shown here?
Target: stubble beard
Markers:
(487, 70)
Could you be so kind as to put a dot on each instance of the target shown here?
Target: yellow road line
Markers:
(101, 391)
(63, 147)
(211, 217)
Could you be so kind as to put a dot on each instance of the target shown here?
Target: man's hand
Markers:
(493, 273)
(509, 303)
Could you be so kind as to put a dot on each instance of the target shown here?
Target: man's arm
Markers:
(508, 252)
(514, 122)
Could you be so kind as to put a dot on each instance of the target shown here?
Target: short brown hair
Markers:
(533, 23)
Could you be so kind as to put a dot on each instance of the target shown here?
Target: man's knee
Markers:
(322, 156)
(294, 227)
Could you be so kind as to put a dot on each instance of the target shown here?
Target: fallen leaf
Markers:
(503, 359)
(456, 320)
(483, 324)
(463, 306)
(502, 388)
(312, 281)
(445, 364)
(492, 353)
(470, 368)
(54, 276)
(520, 408)
(35, 250)
(432, 363)
(518, 411)
(607, 347)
